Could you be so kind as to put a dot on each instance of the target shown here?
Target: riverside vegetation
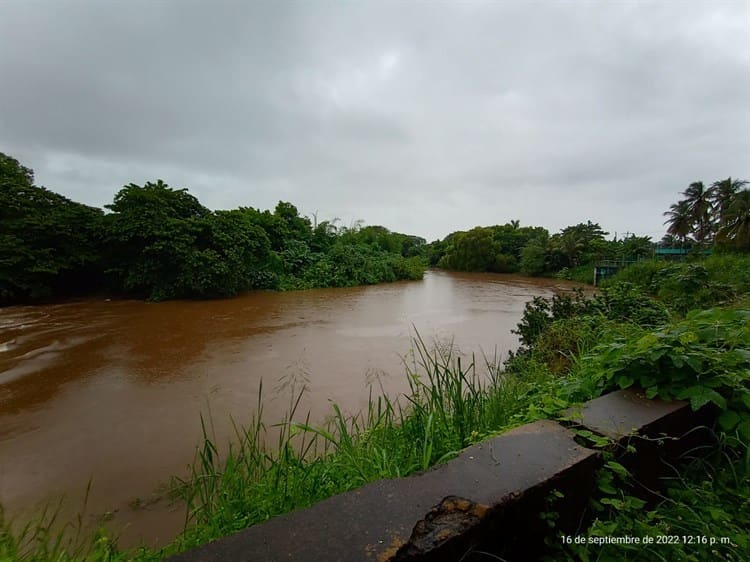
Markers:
(715, 217)
(161, 243)
(678, 330)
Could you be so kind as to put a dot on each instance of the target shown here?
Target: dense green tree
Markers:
(161, 243)
(436, 251)
(380, 238)
(294, 226)
(413, 246)
(242, 253)
(707, 214)
(698, 200)
(323, 236)
(722, 193)
(164, 244)
(494, 248)
(737, 226)
(48, 244)
(534, 256)
(571, 245)
(475, 250)
(12, 173)
(150, 236)
(634, 248)
(144, 205)
(580, 243)
(679, 221)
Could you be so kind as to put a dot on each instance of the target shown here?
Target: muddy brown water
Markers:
(110, 393)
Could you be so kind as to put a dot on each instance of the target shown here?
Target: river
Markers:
(109, 393)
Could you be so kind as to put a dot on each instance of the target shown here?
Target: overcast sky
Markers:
(425, 117)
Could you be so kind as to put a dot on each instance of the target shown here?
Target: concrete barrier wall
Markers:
(488, 499)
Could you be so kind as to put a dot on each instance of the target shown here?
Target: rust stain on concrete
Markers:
(390, 552)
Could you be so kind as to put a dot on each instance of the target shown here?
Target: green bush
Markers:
(697, 283)
(640, 274)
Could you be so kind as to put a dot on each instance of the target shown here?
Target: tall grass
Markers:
(451, 403)
(46, 537)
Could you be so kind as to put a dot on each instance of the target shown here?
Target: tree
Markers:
(737, 227)
(49, 245)
(156, 201)
(240, 252)
(698, 200)
(636, 247)
(571, 244)
(475, 250)
(722, 194)
(580, 243)
(295, 227)
(164, 244)
(680, 220)
(12, 173)
(324, 235)
(534, 256)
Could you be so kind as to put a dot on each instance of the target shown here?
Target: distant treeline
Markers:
(531, 250)
(717, 217)
(160, 243)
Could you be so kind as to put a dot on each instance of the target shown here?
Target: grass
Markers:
(450, 405)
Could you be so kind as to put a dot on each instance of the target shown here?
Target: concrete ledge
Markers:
(490, 497)
(440, 512)
(662, 432)
(626, 413)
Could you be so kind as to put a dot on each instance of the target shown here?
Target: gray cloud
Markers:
(424, 117)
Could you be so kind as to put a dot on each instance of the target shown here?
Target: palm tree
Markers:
(738, 220)
(698, 199)
(722, 194)
(571, 245)
(680, 220)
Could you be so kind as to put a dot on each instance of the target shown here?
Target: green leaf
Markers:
(701, 395)
(651, 392)
(695, 363)
(688, 338)
(647, 342)
(658, 353)
(617, 504)
(744, 429)
(728, 420)
(617, 468)
(716, 398)
(648, 380)
(689, 392)
(625, 381)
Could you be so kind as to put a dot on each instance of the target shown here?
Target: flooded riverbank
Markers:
(111, 392)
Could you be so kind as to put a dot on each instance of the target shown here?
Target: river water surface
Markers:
(110, 392)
